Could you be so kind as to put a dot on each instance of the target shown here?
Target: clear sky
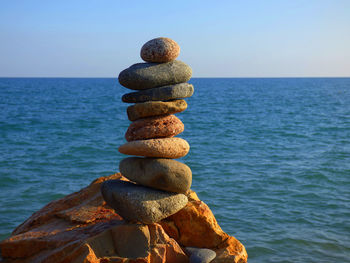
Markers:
(262, 38)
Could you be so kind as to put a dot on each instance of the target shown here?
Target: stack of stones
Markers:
(157, 183)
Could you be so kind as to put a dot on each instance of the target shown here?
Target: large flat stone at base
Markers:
(137, 203)
(165, 93)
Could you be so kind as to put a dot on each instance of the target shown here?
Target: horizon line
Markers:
(269, 77)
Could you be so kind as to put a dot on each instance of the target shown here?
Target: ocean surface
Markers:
(271, 157)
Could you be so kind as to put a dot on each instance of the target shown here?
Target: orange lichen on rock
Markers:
(82, 228)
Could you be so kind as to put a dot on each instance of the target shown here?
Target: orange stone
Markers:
(171, 148)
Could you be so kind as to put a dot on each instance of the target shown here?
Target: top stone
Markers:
(160, 50)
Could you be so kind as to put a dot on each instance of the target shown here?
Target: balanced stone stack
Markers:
(157, 183)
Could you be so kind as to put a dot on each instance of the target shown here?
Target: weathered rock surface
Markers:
(154, 127)
(164, 174)
(160, 50)
(67, 230)
(137, 203)
(142, 76)
(136, 234)
(196, 226)
(200, 255)
(155, 108)
(172, 148)
(165, 93)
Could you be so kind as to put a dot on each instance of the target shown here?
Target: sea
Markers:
(270, 156)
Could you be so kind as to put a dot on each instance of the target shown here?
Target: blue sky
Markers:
(217, 38)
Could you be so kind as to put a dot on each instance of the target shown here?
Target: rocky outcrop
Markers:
(82, 228)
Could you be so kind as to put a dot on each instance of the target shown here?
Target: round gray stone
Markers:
(142, 76)
(164, 174)
(165, 93)
(200, 255)
(137, 203)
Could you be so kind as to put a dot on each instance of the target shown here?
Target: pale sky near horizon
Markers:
(272, 38)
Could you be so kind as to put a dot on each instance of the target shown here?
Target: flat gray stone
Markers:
(200, 255)
(142, 76)
(164, 174)
(137, 203)
(165, 93)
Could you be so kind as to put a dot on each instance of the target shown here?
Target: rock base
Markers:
(82, 228)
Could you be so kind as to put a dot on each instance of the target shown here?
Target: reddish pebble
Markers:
(160, 50)
(154, 127)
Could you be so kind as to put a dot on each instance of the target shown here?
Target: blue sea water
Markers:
(271, 157)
